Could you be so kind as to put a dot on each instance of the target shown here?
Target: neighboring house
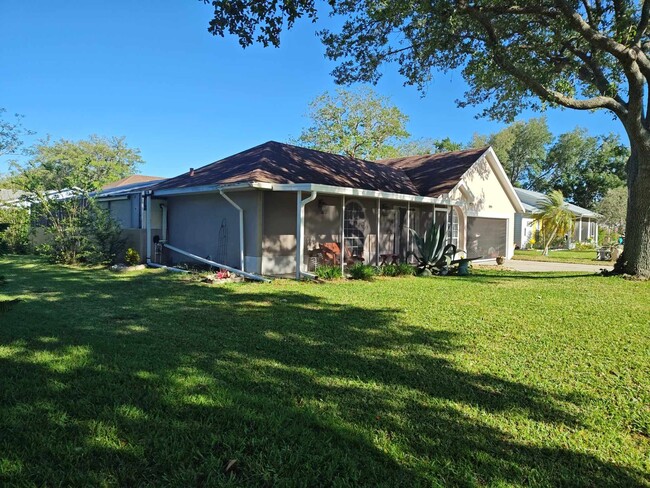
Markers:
(272, 206)
(125, 201)
(11, 198)
(132, 180)
(586, 221)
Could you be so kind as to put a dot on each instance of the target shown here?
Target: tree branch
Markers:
(643, 23)
(594, 36)
(531, 82)
(600, 81)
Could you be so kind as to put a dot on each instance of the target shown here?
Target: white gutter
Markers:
(216, 265)
(309, 187)
(112, 199)
(356, 192)
(300, 229)
(212, 189)
(241, 227)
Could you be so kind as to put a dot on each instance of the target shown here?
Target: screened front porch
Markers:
(374, 230)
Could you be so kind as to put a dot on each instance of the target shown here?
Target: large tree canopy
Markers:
(357, 123)
(583, 167)
(521, 148)
(86, 165)
(518, 55)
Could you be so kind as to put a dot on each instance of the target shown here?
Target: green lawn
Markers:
(497, 379)
(561, 256)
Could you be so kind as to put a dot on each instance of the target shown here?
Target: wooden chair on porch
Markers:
(331, 252)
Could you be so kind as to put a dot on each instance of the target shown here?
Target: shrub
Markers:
(405, 269)
(104, 237)
(15, 237)
(132, 257)
(584, 246)
(328, 272)
(360, 271)
(388, 270)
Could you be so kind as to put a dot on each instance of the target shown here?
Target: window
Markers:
(354, 227)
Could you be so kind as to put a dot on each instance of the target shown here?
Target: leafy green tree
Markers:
(416, 147)
(521, 147)
(613, 208)
(12, 135)
(86, 165)
(555, 218)
(357, 123)
(513, 56)
(583, 167)
(59, 181)
(12, 142)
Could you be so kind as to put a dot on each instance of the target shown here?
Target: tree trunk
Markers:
(637, 229)
(547, 244)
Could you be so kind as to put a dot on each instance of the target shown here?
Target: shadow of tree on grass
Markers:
(147, 380)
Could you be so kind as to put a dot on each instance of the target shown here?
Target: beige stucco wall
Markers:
(490, 201)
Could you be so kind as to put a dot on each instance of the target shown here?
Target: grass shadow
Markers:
(146, 379)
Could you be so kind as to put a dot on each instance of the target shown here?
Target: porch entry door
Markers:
(403, 239)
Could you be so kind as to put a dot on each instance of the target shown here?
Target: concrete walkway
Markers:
(543, 266)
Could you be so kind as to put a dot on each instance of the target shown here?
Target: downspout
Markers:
(378, 231)
(241, 228)
(163, 226)
(238, 272)
(342, 258)
(300, 231)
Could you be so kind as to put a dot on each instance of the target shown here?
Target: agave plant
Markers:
(434, 256)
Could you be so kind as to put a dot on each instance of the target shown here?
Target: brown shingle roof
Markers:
(273, 162)
(131, 180)
(436, 174)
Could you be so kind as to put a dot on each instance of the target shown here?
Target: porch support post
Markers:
(342, 257)
(580, 230)
(147, 209)
(434, 213)
(596, 236)
(588, 228)
(378, 230)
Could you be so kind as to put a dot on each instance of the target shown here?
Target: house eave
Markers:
(308, 187)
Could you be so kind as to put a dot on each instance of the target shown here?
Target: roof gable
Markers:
(436, 174)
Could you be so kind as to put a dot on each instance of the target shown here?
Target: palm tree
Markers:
(555, 218)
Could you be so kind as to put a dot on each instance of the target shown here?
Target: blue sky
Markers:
(150, 71)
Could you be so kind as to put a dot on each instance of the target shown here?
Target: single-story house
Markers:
(267, 208)
(11, 198)
(586, 221)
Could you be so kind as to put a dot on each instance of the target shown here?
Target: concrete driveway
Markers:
(543, 266)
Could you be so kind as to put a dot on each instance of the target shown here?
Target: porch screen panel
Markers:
(486, 237)
(355, 224)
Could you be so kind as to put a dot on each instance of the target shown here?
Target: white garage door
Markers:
(486, 237)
